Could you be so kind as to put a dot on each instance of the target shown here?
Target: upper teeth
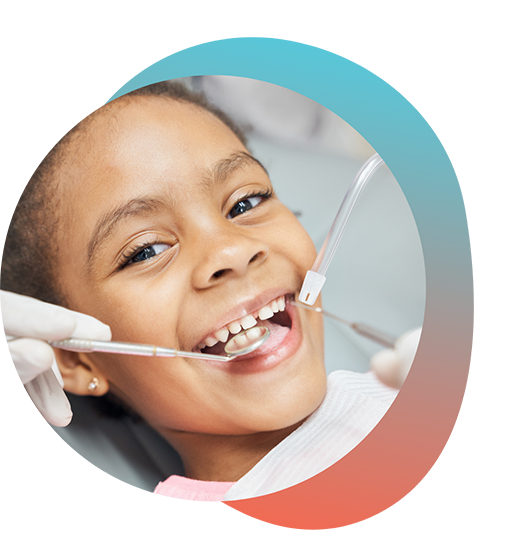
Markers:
(246, 322)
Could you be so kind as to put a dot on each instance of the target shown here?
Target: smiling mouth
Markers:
(273, 316)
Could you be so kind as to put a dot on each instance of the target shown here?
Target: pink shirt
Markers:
(191, 489)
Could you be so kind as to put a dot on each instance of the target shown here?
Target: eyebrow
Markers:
(222, 170)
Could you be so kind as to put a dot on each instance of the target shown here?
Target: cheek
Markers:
(305, 245)
(152, 387)
(140, 310)
(294, 240)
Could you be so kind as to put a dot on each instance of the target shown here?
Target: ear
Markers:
(78, 371)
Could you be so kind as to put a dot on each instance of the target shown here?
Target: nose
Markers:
(227, 257)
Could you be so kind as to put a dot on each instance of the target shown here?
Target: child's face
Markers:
(154, 243)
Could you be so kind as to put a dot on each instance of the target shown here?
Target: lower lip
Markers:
(269, 354)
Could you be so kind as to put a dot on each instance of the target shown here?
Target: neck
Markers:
(214, 457)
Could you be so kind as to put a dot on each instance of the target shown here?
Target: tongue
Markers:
(277, 335)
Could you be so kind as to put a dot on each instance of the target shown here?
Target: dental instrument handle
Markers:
(364, 330)
(315, 278)
(361, 329)
(374, 335)
(138, 349)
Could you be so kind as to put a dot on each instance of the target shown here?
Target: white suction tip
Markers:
(311, 287)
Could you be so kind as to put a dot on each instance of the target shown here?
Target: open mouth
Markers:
(273, 316)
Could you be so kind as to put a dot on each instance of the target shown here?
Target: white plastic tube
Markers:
(315, 278)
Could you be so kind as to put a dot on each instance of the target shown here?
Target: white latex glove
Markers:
(392, 365)
(33, 322)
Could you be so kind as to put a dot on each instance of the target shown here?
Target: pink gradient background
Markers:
(401, 449)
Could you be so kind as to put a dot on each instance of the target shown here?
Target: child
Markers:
(152, 216)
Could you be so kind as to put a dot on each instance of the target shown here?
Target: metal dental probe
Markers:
(361, 329)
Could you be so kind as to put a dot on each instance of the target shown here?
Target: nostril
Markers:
(239, 267)
(219, 273)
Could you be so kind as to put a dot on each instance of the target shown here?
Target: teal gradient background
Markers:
(409, 439)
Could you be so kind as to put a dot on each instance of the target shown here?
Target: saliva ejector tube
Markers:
(315, 277)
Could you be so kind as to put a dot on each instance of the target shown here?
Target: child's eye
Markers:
(244, 205)
(147, 252)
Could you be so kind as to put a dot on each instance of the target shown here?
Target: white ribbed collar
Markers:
(341, 422)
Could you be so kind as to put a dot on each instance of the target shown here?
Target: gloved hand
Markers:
(31, 323)
(392, 365)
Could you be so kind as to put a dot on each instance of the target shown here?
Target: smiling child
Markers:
(153, 216)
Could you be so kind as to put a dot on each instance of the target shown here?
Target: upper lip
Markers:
(244, 308)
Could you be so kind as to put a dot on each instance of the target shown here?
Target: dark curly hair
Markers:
(31, 238)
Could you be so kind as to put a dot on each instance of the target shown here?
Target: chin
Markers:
(290, 406)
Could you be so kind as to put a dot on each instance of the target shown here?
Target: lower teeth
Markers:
(218, 349)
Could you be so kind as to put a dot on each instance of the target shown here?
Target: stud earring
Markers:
(93, 385)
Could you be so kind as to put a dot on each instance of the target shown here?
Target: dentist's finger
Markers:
(393, 365)
(27, 317)
(88, 327)
(49, 398)
(387, 366)
(31, 357)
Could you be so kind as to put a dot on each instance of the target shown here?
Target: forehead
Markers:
(140, 143)
(148, 130)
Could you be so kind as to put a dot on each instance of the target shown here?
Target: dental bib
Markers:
(352, 407)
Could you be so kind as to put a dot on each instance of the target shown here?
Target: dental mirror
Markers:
(247, 341)
(243, 343)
